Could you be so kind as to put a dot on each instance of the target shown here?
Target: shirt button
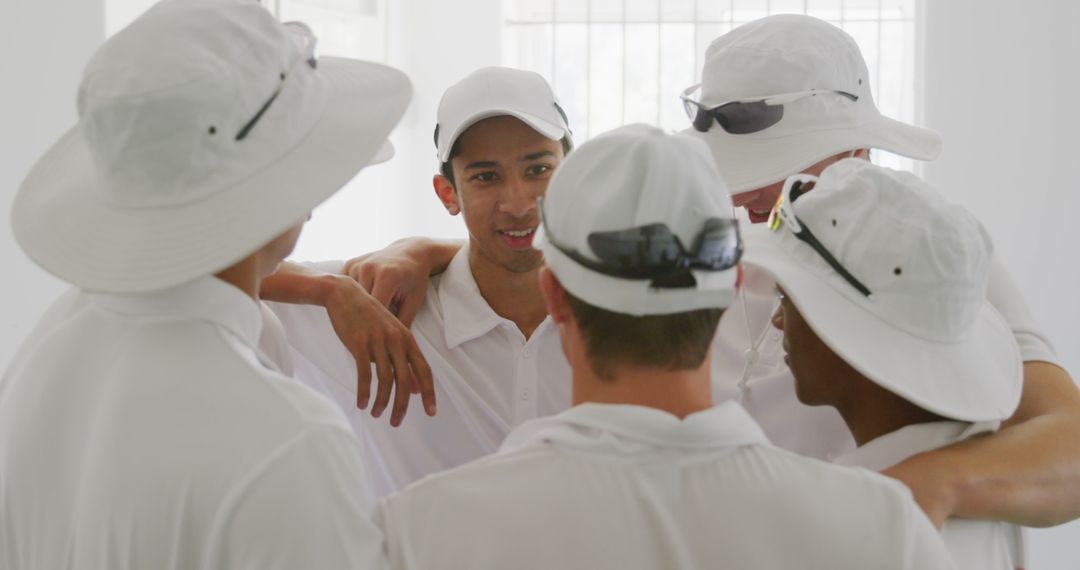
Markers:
(527, 353)
(525, 396)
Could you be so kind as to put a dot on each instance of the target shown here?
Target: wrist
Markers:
(330, 287)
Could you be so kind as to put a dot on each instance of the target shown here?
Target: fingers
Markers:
(383, 292)
(366, 279)
(363, 378)
(409, 305)
(401, 391)
(383, 368)
(421, 375)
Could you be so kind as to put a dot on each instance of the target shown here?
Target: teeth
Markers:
(520, 233)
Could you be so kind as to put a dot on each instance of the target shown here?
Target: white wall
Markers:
(1001, 85)
(44, 47)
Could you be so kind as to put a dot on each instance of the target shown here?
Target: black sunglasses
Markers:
(744, 117)
(654, 252)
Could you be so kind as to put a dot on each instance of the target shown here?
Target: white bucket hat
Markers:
(495, 91)
(205, 130)
(629, 179)
(926, 331)
(778, 58)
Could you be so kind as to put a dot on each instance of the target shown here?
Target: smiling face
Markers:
(501, 166)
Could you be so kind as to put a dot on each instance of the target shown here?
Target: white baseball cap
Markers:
(926, 332)
(495, 91)
(778, 58)
(627, 180)
(206, 129)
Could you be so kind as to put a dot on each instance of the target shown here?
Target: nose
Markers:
(778, 318)
(519, 199)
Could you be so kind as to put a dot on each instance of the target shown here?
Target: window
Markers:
(613, 62)
(345, 28)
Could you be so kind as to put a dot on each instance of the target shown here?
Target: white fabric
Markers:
(627, 178)
(488, 379)
(973, 544)
(789, 53)
(143, 432)
(154, 186)
(926, 332)
(494, 91)
(629, 487)
(769, 393)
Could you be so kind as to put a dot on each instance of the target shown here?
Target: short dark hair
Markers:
(677, 341)
(448, 171)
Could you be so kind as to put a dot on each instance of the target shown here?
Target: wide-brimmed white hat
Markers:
(630, 178)
(787, 54)
(926, 332)
(205, 130)
(495, 91)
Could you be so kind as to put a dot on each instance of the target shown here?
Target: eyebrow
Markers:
(493, 164)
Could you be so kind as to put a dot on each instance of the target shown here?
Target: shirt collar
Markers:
(620, 427)
(206, 299)
(466, 315)
(892, 448)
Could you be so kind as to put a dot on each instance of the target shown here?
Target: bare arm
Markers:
(368, 330)
(1028, 473)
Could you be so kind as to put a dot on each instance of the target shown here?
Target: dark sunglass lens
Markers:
(702, 120)
(746, 118)
(645, 249)
(718, 246)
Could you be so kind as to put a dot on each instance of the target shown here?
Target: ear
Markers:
(446, 193)
(555, 295)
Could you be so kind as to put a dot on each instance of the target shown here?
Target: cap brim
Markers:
(60, 224)
(749, 163)
(553, 131)
(978, 379)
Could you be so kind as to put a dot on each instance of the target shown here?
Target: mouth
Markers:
(757, 217)
(518, 239)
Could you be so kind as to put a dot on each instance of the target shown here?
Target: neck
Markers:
(244, 275)
(513, 296)
(678, 392)
(874, 411)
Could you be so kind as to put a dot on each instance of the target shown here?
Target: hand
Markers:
(373, 335)
(396, 276)
(932, 489)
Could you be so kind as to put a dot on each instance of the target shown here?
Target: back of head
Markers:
(206, 128)
(639, 230)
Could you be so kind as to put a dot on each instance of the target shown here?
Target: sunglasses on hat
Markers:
(654, 252)
(745, 116)
(783, 214)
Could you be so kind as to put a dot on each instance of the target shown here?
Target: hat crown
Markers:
(783, 54)
(631, 177)
(926, 260)
(162, 102)
(494, 91)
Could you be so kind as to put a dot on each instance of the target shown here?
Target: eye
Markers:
(538, 170)
(486, 176)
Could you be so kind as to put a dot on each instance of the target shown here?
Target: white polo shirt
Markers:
(142, 431)
(973, 544)
(630, 487)
(768, 392)
(488, 378)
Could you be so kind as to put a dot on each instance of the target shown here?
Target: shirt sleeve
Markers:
(1005, 296)
(305, 507)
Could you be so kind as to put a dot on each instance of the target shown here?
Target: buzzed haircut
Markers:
(678, 341)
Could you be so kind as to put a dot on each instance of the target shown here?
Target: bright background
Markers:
(998, 79)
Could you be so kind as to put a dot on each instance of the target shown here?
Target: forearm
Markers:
(293, 283)
(436, 254)
(1027, 473)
